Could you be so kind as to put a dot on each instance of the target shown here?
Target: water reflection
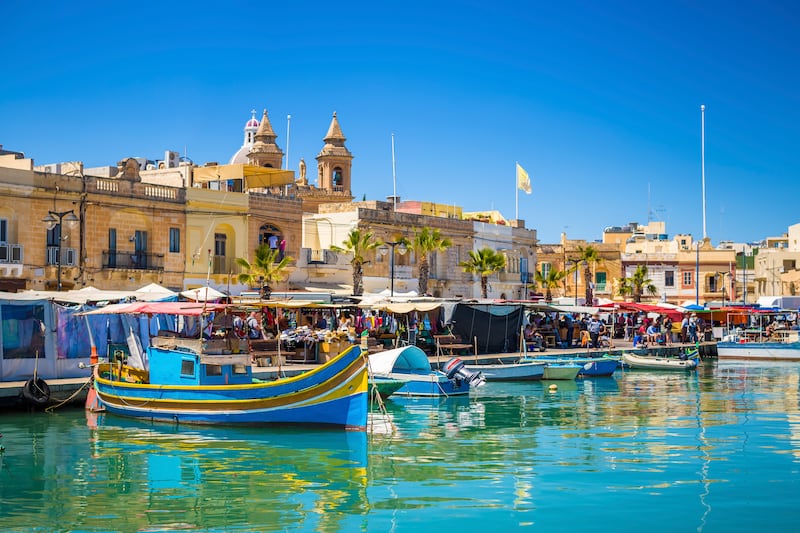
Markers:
(130, 475)
(698, 445)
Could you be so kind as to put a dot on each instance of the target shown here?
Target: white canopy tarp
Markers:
(154, 291)
(84, 295)
(203, 294)
(580, 309)
(405, 359)
(370, 298)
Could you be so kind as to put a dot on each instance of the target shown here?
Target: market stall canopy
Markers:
(580, 309)
(158, 308)
(693, 307)
(86, 295)
(299, 304)
(203, 294)
(675, 314)
(155, 292)
(404, 307)
(254, 177)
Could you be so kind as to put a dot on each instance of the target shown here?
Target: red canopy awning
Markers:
(159, 308)
(673, 313)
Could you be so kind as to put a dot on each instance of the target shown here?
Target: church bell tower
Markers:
(334, 161)
(265, 152)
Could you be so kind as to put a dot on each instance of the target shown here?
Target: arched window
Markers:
(269, 234)
(272, 236)
(337, 177)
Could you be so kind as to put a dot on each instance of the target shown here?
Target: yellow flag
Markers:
(523, 181)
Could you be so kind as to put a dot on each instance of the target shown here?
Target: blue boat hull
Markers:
(589, 366)
(432, 385)
(598, 367)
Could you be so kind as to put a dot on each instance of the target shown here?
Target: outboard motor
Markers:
(456, 370)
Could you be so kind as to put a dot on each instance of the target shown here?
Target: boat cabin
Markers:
(180, 361)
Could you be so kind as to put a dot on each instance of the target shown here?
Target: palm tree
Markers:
(426, 242)
(358, 244)
(551, 281)
(637, 284)
(589, 256)
(484, 263)
(266, 268)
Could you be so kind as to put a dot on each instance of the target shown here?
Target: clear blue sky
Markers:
(598, 101)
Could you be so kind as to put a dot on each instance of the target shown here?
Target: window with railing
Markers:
(317, 257)
(132, 260)
(10, 253)
(224, 265)
(68, 259)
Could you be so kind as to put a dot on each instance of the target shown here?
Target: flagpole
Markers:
(288, 126)
(703, 161)
(516, 190)
(394, 179)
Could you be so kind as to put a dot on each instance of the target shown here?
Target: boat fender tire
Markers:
(36, 391)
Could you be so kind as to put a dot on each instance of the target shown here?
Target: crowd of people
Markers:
(567, 330)
(593, 331)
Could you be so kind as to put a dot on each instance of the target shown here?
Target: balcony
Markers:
(403, 272)
(221, 264)
(10, 260)
(10, 253)
(132, 260)
(321, 257)
(68, 260)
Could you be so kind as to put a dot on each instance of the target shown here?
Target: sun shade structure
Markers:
(254, 177)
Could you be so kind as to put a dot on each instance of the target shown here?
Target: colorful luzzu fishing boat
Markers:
(210, 380)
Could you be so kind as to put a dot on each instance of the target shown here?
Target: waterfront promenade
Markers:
(63, 389)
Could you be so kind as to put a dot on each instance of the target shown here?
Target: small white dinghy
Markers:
(658, 363)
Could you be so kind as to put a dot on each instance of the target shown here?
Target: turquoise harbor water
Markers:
(713, 451)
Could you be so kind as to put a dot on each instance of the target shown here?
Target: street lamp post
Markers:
(401, 249)
(697, 275)
(576, 284)
(722, 277)
(576, 264)
(53, 219)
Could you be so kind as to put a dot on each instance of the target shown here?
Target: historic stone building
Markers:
(74, 230)
(565, 256)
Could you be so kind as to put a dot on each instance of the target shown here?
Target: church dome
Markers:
(240, 157)
(250, 129)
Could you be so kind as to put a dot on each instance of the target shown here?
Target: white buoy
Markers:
(553, 387)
